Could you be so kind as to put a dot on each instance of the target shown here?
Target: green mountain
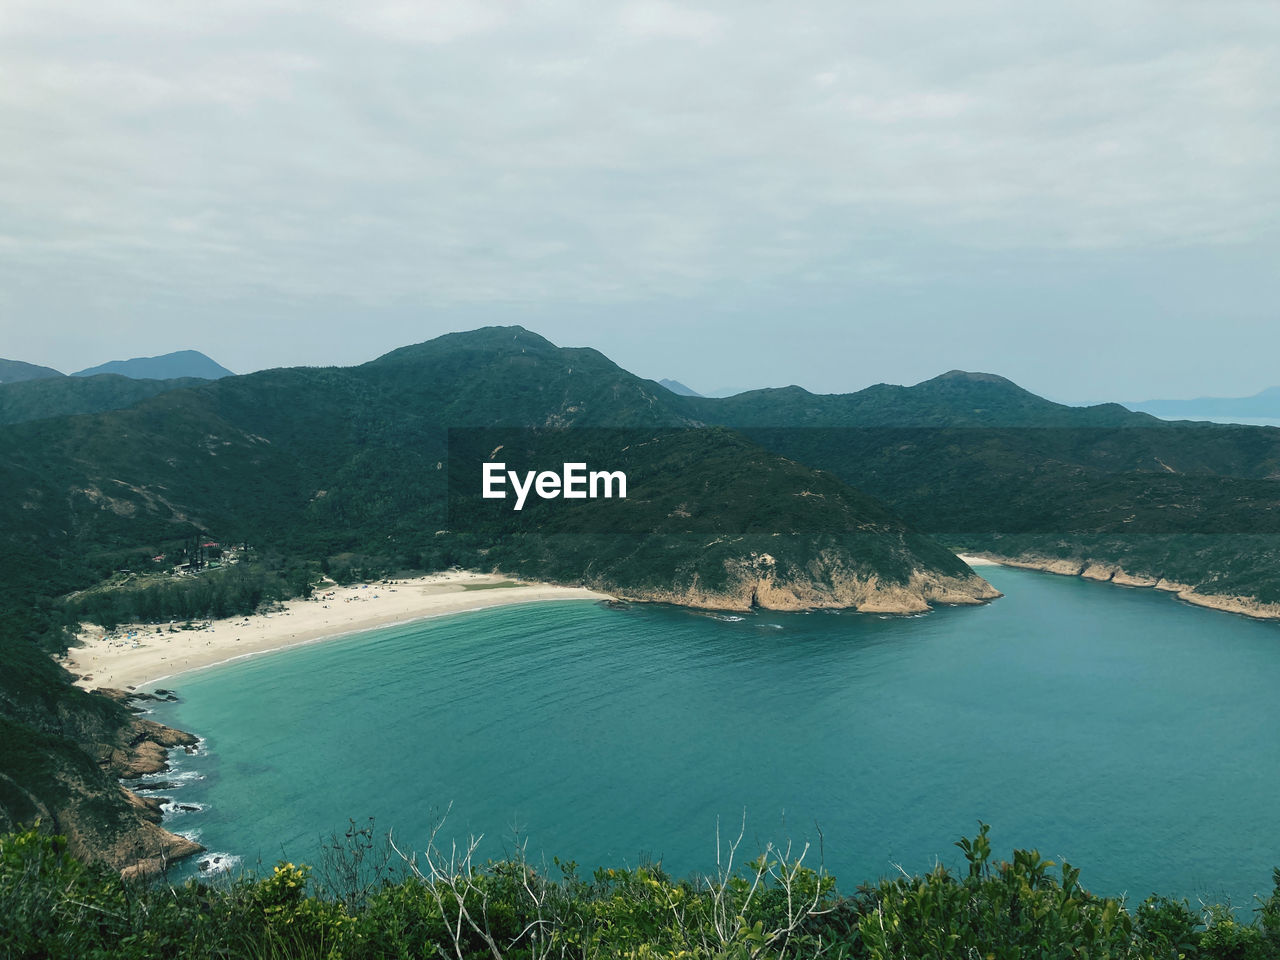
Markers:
(774, 498)
(954, 399)
(1099, 490)
(64, 396)
(169, 366)
(15, 371)
(345, 470)
(247, 458)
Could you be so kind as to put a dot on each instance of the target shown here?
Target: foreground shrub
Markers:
(1016, 909)
(440, 903)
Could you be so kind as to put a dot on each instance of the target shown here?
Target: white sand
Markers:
(973, 561)
(138, 656)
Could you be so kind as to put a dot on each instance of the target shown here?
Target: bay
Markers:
(1133, 735)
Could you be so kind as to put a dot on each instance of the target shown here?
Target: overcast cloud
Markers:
(1084, 196)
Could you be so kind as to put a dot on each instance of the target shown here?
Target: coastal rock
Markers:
(149, 808)
(834, 588)
(140, 759)
(122, 696)
(169, 847)
(142, 746)
(1094, 570)
(90, 742)
(1133, 579)
(157, 785)
(102, 821)
(1246, 606)
(1066, 568)
(165, 736)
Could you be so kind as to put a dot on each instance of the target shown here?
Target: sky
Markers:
(1082, 197)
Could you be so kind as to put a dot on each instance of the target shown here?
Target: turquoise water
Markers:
(1131, 734)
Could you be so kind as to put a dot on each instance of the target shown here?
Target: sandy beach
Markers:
(139, 656)
(973, 561)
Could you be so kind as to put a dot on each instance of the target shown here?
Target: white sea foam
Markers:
(215, 862)
(176, 808)
(168, 776)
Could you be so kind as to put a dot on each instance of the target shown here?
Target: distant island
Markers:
(1264, 404)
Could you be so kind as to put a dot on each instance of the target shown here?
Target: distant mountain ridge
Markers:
(17, 371)
(954, 398)
(169, 366)
(676, 387)
(1265, 403)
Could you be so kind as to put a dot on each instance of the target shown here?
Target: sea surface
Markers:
(1131, 734)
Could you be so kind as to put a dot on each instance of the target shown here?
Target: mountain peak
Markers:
(970, 377)
(502, 340)
(168, 366)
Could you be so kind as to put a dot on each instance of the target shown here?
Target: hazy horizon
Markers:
(1082, 200)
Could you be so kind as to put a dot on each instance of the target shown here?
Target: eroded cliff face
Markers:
(132, 842)
(760, 582)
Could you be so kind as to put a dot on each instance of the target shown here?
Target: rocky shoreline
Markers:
(1103, 572)
(765, 591)
(142, 748)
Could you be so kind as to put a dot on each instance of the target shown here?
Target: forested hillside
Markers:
(254, 486)
(296, 472)
(39, 399)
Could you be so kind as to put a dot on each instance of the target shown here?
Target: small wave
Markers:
(197, 749)
(729, 618)
(176, 808)
(169, 776)
(213, 863)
